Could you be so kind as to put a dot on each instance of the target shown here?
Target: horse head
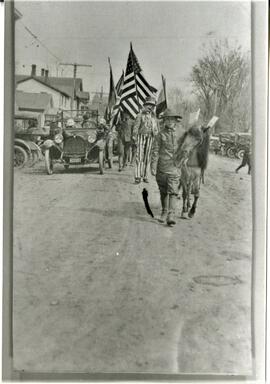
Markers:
(187, 143)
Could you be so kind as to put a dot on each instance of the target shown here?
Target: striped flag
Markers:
(117, 107)
(135, 88)
(162, 98)
(112, 96)
(119, 84)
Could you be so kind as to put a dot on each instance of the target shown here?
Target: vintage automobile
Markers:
(227, 141)
(215, 144)
(242, 142)
(77, 142)
(27, 135)
(236, 144)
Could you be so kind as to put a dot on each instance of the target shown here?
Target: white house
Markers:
(61, 88)
(61, 100)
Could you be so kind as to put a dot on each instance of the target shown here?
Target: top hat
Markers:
(150, 101)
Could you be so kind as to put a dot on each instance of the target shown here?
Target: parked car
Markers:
(27, 135)
(77, 142)
(227, 141)
(215, 144)
(242, 142)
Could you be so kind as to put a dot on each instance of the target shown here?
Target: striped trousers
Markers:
(144, 146)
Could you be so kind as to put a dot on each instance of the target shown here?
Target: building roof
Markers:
(33, 101)
(41, 79)
(66, 84)
(62, 84)
(83, 95)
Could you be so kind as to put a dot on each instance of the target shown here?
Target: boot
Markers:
(164, 205)
(171, 214)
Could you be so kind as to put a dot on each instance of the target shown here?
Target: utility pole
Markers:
(74, 65)
(101, 94)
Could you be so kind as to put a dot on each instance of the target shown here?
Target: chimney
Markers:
(42, 71)
(46, 74)
(33, 70)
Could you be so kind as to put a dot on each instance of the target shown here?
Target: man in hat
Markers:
(86, 120)
(145, 128)
(162, 164)
(124, 129)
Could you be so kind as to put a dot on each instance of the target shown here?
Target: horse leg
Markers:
(179, 188)
(188, 196)
(184, 207)
(193, 208)
(196, 188)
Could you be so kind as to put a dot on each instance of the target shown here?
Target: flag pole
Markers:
(131, 50)
(110, 86)
(164, 89)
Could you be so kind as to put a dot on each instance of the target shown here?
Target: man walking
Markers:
(163, 167)
(246, 160)
(144, 130)
(124, 129)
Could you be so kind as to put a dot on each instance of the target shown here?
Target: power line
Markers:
(40, 42)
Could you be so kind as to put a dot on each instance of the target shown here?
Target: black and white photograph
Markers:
(133, 151)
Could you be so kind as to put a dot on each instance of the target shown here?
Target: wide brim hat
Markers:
(170, 113)
(150, 101)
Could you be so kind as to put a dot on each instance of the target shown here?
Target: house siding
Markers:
(32, 86)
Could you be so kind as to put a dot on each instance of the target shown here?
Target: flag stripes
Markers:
(135, 88)
(143, 155)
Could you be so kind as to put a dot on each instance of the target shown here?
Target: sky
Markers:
(167, 37)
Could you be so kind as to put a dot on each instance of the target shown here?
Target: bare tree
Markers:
(175, 98)
(220, 79)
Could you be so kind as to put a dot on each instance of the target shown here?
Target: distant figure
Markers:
(246, 160)
(32, 126)
(124, 129)
(86, 121)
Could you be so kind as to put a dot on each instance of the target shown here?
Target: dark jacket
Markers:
(124, 129)
(163, 151)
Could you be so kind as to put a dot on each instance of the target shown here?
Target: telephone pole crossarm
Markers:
(75, 65)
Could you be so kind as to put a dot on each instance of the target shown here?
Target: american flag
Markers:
(115, 116)
(119, 84)
(135, 88)
(162, 98)
(112, 96)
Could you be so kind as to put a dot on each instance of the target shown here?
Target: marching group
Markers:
(152, 145)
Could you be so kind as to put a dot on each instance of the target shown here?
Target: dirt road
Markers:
(100, 286)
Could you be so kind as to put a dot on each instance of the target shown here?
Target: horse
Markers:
(191, 158)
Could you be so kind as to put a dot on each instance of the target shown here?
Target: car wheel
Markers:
(240, 153)
(48, 162)
(230, 152)
(20, 157)
(101, 162)
(34, 158)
